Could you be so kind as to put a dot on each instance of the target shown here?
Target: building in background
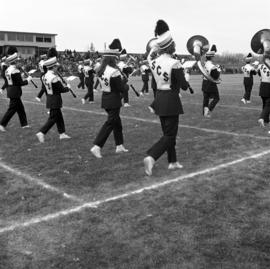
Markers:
(28, 44)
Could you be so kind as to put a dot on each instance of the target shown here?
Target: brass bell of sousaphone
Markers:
(151, 44)
(197, 46)
(260, 44)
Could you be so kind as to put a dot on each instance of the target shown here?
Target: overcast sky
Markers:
(230, 24)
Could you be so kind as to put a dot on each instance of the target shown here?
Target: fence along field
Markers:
(211, 214)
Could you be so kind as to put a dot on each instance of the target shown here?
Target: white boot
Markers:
(151, 110)
(96, 151)
(261, 123)
(83, 101)
(2, 128)
(64, 136)
(120, 148)
(175, 165)
(206, 112)
(148, 165)
(243, 100)
(41, 137)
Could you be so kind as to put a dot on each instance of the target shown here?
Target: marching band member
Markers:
(96, 67)
(249, 71)
(53, 88)
(4, 67)
(81, 75)
(111, 82)
(89, 81)
(264, 73)
(125, 71)
(14, 90)
(169, 77)
(145, 78)
(209, 88)
(187, 72)
(43, 70)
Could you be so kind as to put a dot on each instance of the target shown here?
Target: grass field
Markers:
(62, 208)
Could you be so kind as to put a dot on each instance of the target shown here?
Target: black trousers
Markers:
(265, 109)
(56, 116)
(90, 93)
(113, 124)
(248, 89)
(125, 93)
(206, 98)
(81, 84)
(145, 87)
(15, 105)
(167, 142)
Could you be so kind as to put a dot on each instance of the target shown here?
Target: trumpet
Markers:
(197, 46)
(260, 44)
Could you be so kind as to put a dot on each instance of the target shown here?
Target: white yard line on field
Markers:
(39, 182)
(227, 106)
(95, 204)
(157, 122)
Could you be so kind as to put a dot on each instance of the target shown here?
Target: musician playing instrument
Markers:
(112, 88)
(145, 70)
(264, 73)
(81, 75)
(4, 67)
(43, 71)
(169, 77)
(14, 90)
(54, 88)
(126, 70)
(89, 81)
(209, 88)
(249, 71)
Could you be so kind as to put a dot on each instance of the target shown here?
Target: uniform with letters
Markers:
(14, 93)
(249, 71)
(112, 87)
(169, 77)
(53, 88)
(264, 93)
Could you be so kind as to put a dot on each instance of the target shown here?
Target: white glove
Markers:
(1, 91)
(29, 78)
(68, 85)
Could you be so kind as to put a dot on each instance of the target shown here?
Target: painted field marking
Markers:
(228, 106)
(39, 182)
(95, 204)
(157, 122)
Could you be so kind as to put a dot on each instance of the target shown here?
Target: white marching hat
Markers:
(248, 58)
(163, 34)
(212, 51)
(12, 58)
(50, 62)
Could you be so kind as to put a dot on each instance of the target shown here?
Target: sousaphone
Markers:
(260, 44)
(197, 46)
